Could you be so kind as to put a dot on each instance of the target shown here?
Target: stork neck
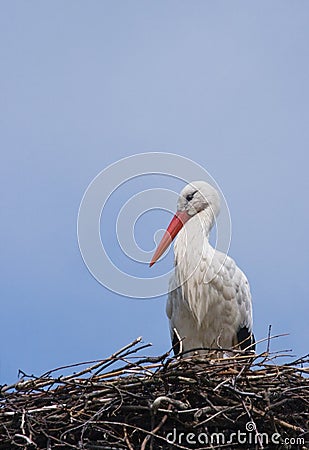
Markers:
(204, 221)
(193, 240)
(198, 227)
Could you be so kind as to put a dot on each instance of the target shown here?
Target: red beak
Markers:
(176, 224)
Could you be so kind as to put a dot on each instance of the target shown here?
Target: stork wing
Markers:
(208, 301)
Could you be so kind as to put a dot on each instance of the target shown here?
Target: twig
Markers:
(119, 408)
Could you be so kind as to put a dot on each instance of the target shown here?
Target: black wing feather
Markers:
(176, 344)
(246, 339)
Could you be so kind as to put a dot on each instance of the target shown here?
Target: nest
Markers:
(131, 402)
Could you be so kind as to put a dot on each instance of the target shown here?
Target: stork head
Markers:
(195, 197)
(198, 196)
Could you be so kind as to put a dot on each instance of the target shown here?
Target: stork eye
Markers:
(189, 197)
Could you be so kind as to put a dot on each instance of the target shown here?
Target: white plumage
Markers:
(209, 304)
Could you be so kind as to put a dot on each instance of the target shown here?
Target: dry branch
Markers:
(130, 402)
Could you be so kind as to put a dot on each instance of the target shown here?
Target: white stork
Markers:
(209, 301)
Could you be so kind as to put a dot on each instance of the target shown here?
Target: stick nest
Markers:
(130, 402)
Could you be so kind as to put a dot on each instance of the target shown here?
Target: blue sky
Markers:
(83, 84)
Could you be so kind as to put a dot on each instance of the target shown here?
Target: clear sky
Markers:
(83, 84)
